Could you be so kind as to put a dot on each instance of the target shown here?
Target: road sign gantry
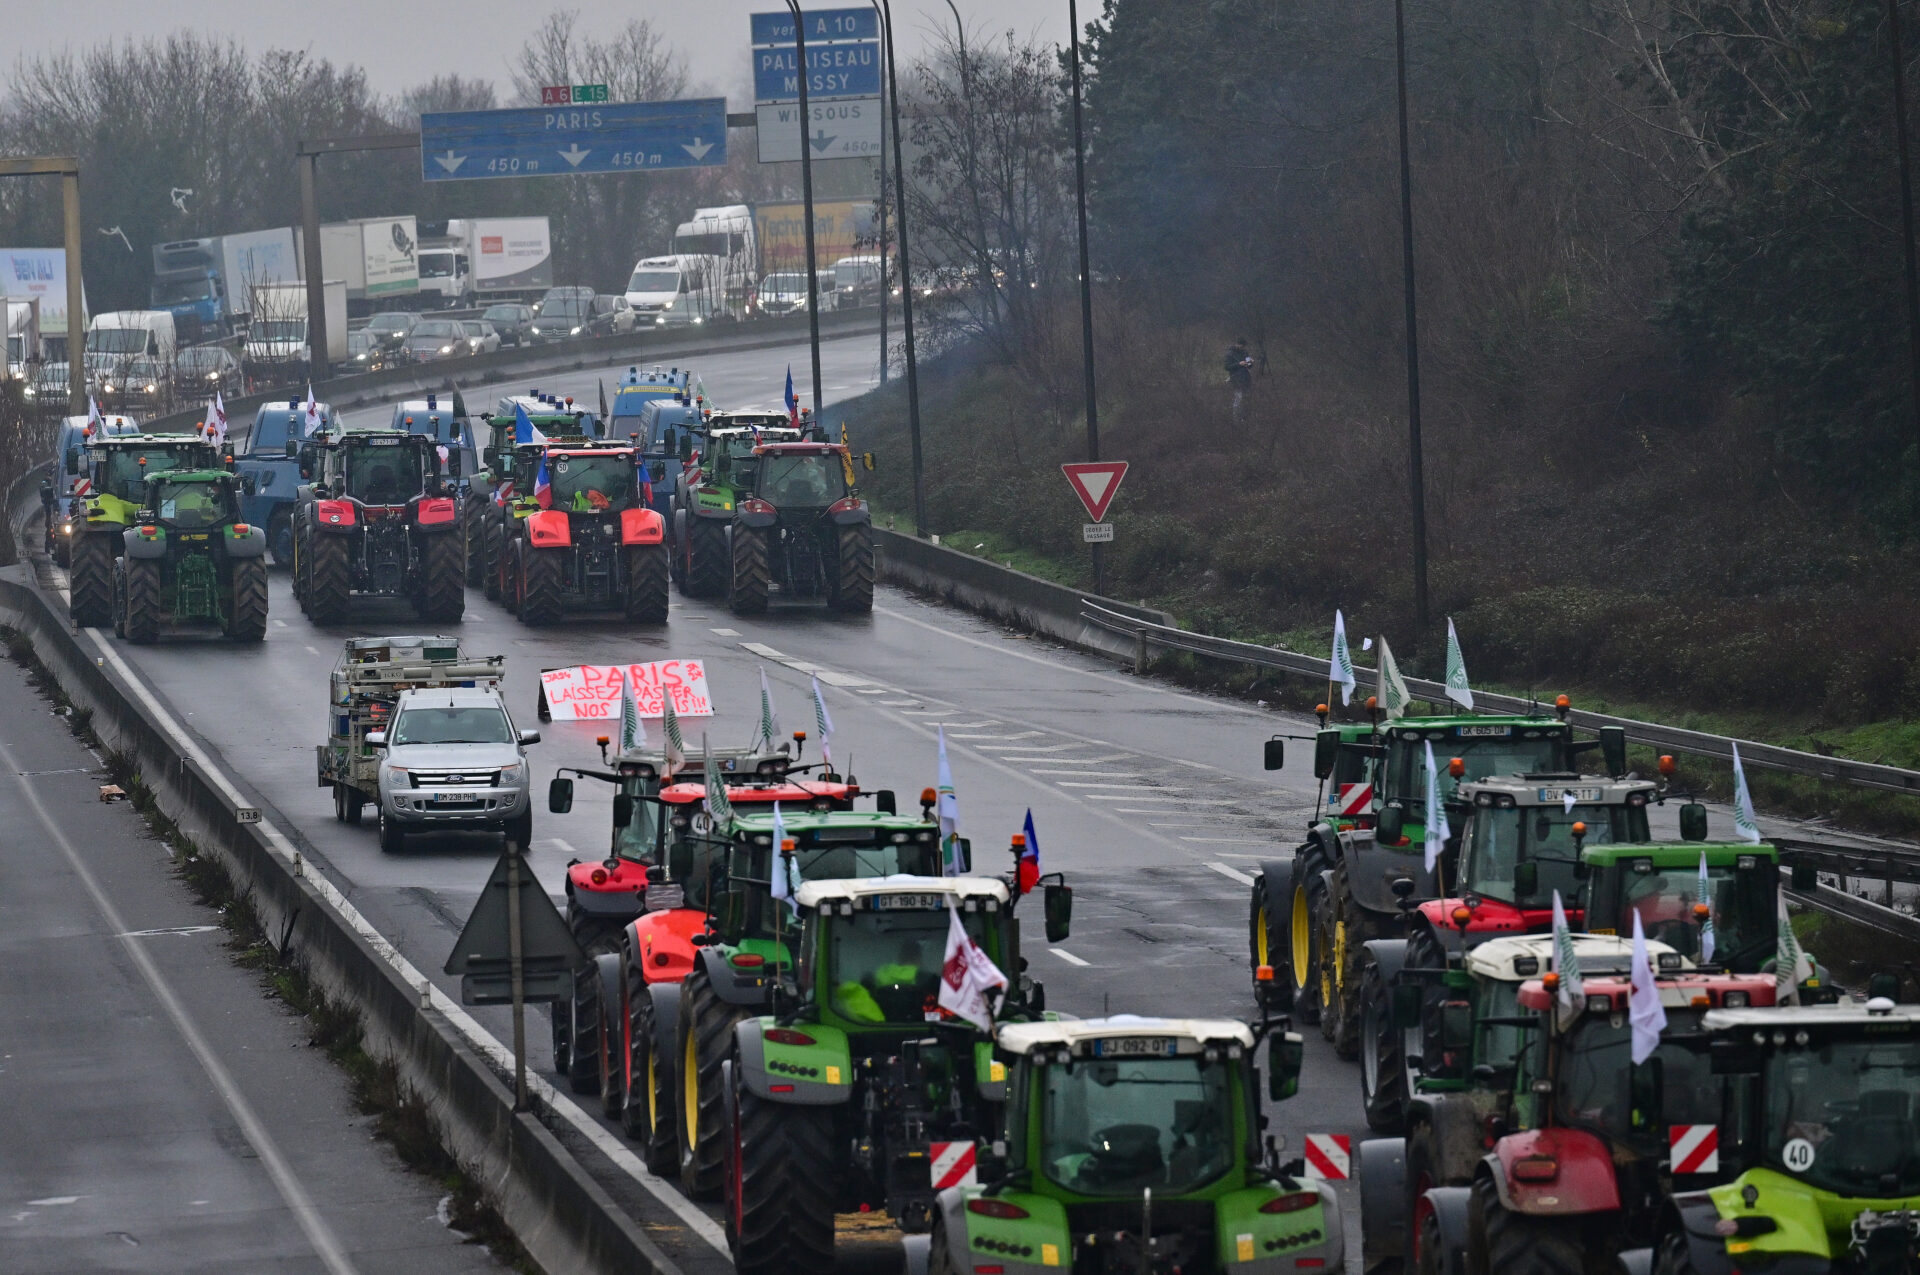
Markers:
(563, 141)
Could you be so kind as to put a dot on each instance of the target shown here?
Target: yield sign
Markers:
(1095, 482)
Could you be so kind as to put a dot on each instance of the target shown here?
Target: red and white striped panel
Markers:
(1354, 799)
(952, 1164)
(1329, 1156)
(1694, 1148)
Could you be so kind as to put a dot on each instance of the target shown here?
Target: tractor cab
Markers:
(1134, 1144)
(377, 470)
(117, 466)
(188, 500)
(1662, 882)
(444, 420)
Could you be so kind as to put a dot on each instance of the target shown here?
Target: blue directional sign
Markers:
(561, 141)
(833, 70)
(822, 25)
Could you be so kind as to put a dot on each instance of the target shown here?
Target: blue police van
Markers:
(275, 474)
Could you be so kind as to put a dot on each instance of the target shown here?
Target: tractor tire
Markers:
(1344, 945)
(442, 594)
(648, 1116)
(540, 602)
(707, 565)
(120, 599)
(1673, 1256)
(1266, 943)
(1307, 918)
(781, 1186)
(141, 617)
(853, 577)
(749, 583)
(1430, 1248)
(392, 838)
(647, 584)
(1425, 952)
(1529, 1244)
(706, 1041)
(247, 610)
(582, 1011)
(90, 581)
(473, 543)
(297, 572)
(1383, 1071)
(1417, 1166)
(939, 1256)
(490, 549)
(348, 804)
(280, 537)
(329, 587)
(60, 548)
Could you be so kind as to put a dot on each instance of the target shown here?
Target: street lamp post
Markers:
(906, 277)
(985, 283)
(883, 233)
(1906, 199)
(806, 193)
(1086, 275)
(1416, 472)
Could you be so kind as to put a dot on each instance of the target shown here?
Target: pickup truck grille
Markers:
(455, 778)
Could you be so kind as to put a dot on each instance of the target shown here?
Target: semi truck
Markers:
(277, 333)
(741, 244)
(377, 258)
(484, 259)
(23, 337)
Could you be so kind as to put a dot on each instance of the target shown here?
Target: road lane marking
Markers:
(169, 929)
(1116, 774)
(724, 632)
(313, 650)
(1023, 734)
(326, 1245)
(1229, 841)
(1235, 873)
(1067, 956)
(279, 624)
(763, 650)
(1027, 748)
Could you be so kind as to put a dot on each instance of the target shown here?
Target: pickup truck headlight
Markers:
(510, 774)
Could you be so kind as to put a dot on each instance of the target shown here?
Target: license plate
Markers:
(908, 902)
(1485, 732)
(1134, 1047)
(450, 798)
(1579, 794)
(201, 536)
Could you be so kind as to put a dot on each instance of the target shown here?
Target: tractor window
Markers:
(1745, 911)
(1502, 838)
(1600, 1088)
(884, 966)
(637, 841)
(1119, 1127)
(126, 476)
(191, 506)
(383, 475)
(1500, 1044)
(479, 724)
(802, 481)
(1841, 1117)
(1407, 762)
(586, 483)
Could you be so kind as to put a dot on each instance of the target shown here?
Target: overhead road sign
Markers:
(833, 70)
(562, 141)
(822, 25)
(1095, 482)
(562, 94)
(844, 129)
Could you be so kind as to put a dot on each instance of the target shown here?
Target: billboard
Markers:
(841, 228)
(40, 274)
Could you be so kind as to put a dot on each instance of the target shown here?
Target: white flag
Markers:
(784, 873)
(769, 720)
(1790, 964)
(1390, 688)
(1572, 996)
(670, 727)
(1340, 666)
(95, 421)
(1644, 1010)
(1457, 689)
(311, 421)
(218, 419)
(633, 731)
(1706, 923)
(947, 807)
(966, 975)
(1437, 830)
(822, 722)
(1744, 822)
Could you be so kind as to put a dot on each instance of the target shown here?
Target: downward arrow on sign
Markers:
(821, 141)
(573, 154)
(450, 161)
(699, 148)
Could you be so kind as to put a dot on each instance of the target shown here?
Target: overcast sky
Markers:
(402, 43)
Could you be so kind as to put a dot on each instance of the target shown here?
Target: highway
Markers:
(163, 1114)
(1149, 798)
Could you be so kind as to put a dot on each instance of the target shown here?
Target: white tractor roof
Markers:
(1552, 790)
(1853, 1014)
(1597, 953)
(813, 893)
(1019, 1038)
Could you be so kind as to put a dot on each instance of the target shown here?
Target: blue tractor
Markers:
(274, 468)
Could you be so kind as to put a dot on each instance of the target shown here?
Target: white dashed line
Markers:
(279, 624)
(1114, 774)
(1030, 748)
(724, 632)
(1067, 956)
(313, 650)
(1025, 734)
(1227, 841)
(1235, 873)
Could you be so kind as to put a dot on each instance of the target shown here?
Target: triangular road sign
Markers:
(1095, 482)
(482, 955)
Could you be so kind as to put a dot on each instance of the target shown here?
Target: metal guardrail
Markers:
(1674, 739)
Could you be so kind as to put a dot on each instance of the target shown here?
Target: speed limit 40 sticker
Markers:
(1797, 1155)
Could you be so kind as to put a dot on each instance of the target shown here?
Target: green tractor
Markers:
(852, 1093)
(190, 560)
(555, 418)
(111, 476)
(1134, 1144)
(1818, 1144)
(714, 482)
(1312, 916)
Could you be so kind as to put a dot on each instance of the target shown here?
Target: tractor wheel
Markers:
(1266, 940)
(647, 584)
(442, 595)
(1307, 920)
(247, 611)
(1430, 1249)
(748, 585)
(339, 802)
(939, 1256)
(1426, 952)
(706, 1040)
(392, 839)
(582, 1010)
(90, 581)
(490, 553)
(280, 537)
(853, 577)
(1417, 1167)
(297, 571)
(540, 585)
(677, 549)
(142, 614)
(329, 587)
(61, 548)
(120, 599)
(1673, 1256)
(1383, 1072)
(473, 542)
(347, 803)
(780, 1186)
(707, 566)
(648, 1117)
(1528, 1244)
(1344, 945)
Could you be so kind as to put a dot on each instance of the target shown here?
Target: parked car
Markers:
(562, 314)
(453, 762)
(392, 327)
(481, 336)
(511, 321)
(203, 369)
(435, 339)
(365, 353)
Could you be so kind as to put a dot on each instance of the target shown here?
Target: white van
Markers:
(118, 337)
(672, 291)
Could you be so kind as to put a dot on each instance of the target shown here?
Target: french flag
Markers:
(793, 400)
(1029, 867)
(503, 493)
(542, 485)
(524, 430)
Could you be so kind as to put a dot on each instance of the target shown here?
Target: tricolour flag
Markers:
(947, 809)
(822, 722)
(524, 430)
(1340, 666)
(793, 400)
(1029, 866)
(1437, 831)
(633, 731)
(1745, 823)
(769, 720)
(543, 485)
(1390, 688)
(1571, 997)
(1457, 689)
(217, 417)
(967, 975)
(1645, 1013)
(1704, 895)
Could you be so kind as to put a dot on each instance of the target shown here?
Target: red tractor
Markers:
(376, 519)
(583, 536)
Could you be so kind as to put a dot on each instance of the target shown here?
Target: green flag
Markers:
(633, 732)
(719, 809)
(1571, 997)
(1340, 665)
(1744, 821)
(769, 720)
(1457, 689)
(670, 725)
(1390, 688)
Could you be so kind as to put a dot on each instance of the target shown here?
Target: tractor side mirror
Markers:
(376, 739)
(1408, 1001)
(622, 810)
(1803, 878)
(73, 460)
(1059, 906)
(866, 459)
(680, 859)
(659, 471)
(1326, 747)
(885, 803)
(1646, 1093)
(248, 485)
(490, 457)
(1393, 822)
(686, 448)
(1693, 822)
(1274, 755)
(1285, 1052)
(1526, 879)
(1613, 748)
(453, 461)
(293, 448)
(560, 795)
(1456, 1027)
(990, 1162)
